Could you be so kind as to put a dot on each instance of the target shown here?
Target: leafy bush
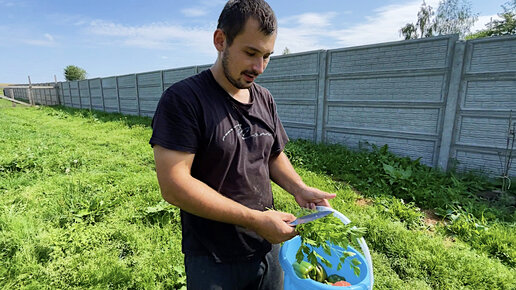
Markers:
(74, 73)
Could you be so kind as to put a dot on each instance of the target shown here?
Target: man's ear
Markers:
(219, 39)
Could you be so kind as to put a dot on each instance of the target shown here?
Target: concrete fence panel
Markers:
(392, 94)
(127, 94)
(96, 94)
(293, 80)
(150, 87)
(487, 97)
(110, 93)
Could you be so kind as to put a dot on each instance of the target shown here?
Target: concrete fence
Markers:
(445, 101)
(41, 94)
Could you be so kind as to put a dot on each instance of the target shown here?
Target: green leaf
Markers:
(356, 262)
(327, 249)
(356, 270)
(310, 242)
(346, 254)
(299, 255)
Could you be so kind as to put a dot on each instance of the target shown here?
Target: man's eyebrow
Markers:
(257, 50)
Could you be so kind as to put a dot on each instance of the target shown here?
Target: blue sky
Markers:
(106, 38)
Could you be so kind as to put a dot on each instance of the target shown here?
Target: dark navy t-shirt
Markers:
(232, 143)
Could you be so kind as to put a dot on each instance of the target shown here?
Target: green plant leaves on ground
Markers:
(80, 207)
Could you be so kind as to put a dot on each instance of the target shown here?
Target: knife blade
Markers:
(310, 217)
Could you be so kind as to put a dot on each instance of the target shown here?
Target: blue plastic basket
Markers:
(364, 281)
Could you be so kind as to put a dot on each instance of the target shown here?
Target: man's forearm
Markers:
(180, 188)
(283, 174)
(197, 198)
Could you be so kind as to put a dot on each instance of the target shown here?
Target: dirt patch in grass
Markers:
(362, 202)
(431, 219)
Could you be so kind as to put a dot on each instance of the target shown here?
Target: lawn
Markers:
(80, 207)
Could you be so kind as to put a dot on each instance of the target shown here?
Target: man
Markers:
(217, 143)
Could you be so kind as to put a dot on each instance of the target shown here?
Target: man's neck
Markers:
(241, 95)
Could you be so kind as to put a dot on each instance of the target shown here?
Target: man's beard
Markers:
(234, 82)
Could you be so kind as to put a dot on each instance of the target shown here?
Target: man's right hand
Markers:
(273, 226)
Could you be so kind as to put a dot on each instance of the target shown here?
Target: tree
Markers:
(425, 24)
(409, 31)
(505, 26)
(286, 51)
(453, 16)
(74, 73)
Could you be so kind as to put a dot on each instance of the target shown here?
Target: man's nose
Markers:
(259, 65)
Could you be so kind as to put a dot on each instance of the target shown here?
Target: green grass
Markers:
(80, 207)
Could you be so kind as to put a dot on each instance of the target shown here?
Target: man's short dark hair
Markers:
(236, 13)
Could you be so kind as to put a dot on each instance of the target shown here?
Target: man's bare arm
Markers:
(181, 189)
(283, 173)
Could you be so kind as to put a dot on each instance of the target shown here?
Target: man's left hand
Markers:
(311, 197)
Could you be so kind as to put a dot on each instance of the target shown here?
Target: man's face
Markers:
(248, 55)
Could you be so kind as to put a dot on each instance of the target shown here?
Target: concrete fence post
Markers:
(89, 94)
(321, 96)
(58, 96)
(70, 92)
(450, 112)
(79, 94)
(29, 93)
(102, 96)
(62, 94)
(11, 95)
(137, 93)
(56, 88)
(117, 95)
(162, 81)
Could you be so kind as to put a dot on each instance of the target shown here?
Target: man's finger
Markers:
(310, 205)
(326, 195)
(287, 217)
(324, 202)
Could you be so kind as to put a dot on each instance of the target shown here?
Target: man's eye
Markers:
(250, 53)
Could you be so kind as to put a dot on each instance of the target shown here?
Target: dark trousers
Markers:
(203, 273)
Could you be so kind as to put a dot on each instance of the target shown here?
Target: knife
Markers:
(310, 217)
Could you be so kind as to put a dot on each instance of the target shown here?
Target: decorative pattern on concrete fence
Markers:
(439, 99)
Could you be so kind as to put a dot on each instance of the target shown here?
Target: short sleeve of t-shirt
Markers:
(281, 137)
(175, 125)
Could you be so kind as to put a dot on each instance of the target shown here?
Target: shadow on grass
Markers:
(128, 120)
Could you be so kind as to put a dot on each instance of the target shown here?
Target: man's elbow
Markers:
(173, 186)
(170, 198)
(173, 194)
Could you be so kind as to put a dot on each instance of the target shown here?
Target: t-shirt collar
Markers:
(229, 97)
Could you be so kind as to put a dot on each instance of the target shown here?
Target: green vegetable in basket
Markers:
(320, 273)
(335, 278)
(303, 269)
(323, 232)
